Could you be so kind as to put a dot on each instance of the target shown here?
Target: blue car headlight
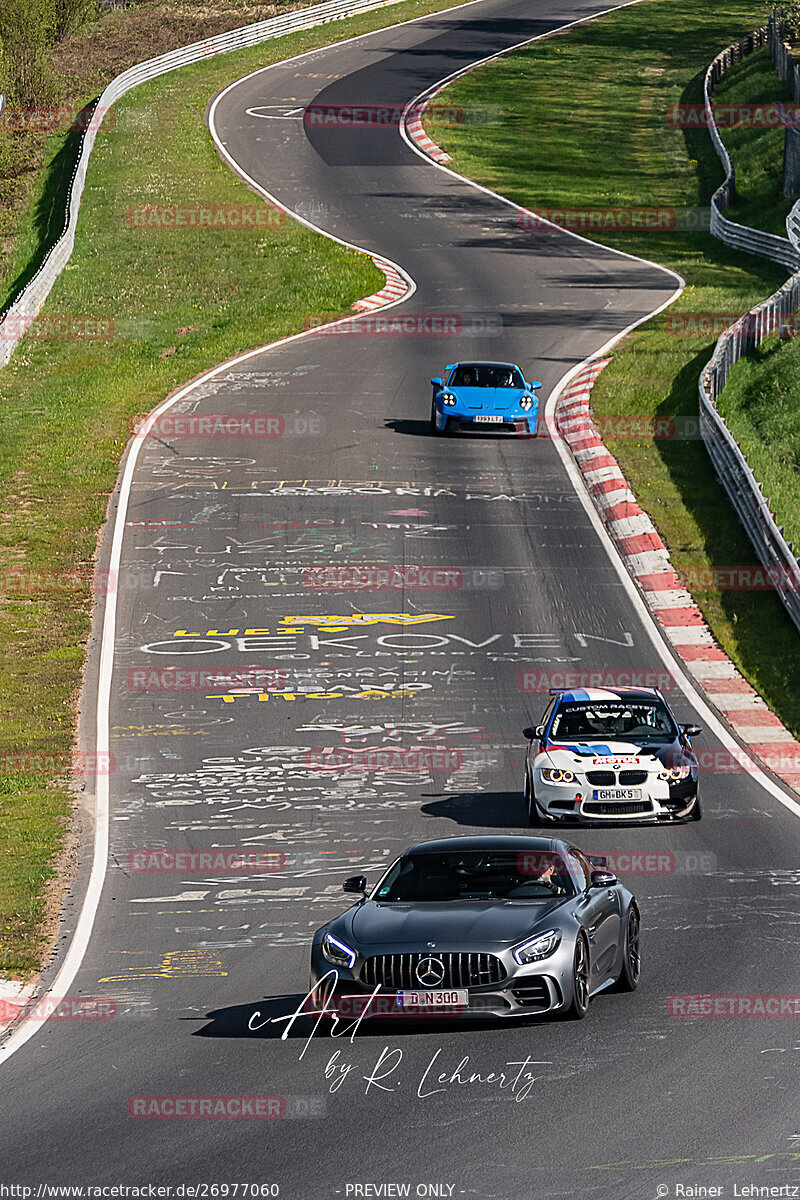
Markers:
(526, 402)
(449, 399)
(541, 946)
(336, 952)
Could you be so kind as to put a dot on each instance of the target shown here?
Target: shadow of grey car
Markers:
(479, 927)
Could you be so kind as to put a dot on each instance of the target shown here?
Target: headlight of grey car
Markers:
(336, 952)
(448, 398)
(526, 402)
(542, 946)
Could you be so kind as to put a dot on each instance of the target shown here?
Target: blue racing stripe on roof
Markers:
(590, 694)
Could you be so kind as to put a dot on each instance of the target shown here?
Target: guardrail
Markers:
(19, 315)
(784, 64)
(769, 317)
(793, 226)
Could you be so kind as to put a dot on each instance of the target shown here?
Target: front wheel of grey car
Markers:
(579, 1004)
(628, 980)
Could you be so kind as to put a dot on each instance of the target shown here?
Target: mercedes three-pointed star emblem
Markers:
(430, 972)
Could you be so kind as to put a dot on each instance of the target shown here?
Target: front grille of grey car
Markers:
(617, 808)
(460, 970)
(627, 778)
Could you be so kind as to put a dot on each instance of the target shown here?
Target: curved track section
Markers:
(224, 549)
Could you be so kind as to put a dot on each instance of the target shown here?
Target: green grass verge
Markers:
(761, 401)
(565, 101)
(35, 169)
(181, 302)
(756, 152)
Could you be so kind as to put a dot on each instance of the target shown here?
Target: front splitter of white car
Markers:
(627, 786)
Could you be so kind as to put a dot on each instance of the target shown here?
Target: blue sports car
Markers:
(482, 397)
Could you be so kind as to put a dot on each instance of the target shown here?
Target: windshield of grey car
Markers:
(476, 875)
(589, 721)
(491, 375)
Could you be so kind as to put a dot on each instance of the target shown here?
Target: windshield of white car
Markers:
(486, 375)
(476, 875)
(592, 720)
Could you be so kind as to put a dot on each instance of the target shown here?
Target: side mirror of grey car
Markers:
(357, 884)
(601, 879)
(437, 382)
(691, 730)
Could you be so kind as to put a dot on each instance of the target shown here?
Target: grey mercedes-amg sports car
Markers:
(479, 927)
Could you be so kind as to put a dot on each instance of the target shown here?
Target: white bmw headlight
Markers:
(526, 402)
(449, 399)
(673, 774)
(553, 775)
(336, 952)
(541, 946)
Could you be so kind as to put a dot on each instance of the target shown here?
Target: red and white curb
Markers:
(395, 287)
(419, 136)
(648, 561)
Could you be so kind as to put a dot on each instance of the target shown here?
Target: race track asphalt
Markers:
(219, 539)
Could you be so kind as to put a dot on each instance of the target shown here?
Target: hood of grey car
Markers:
(463, 924)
